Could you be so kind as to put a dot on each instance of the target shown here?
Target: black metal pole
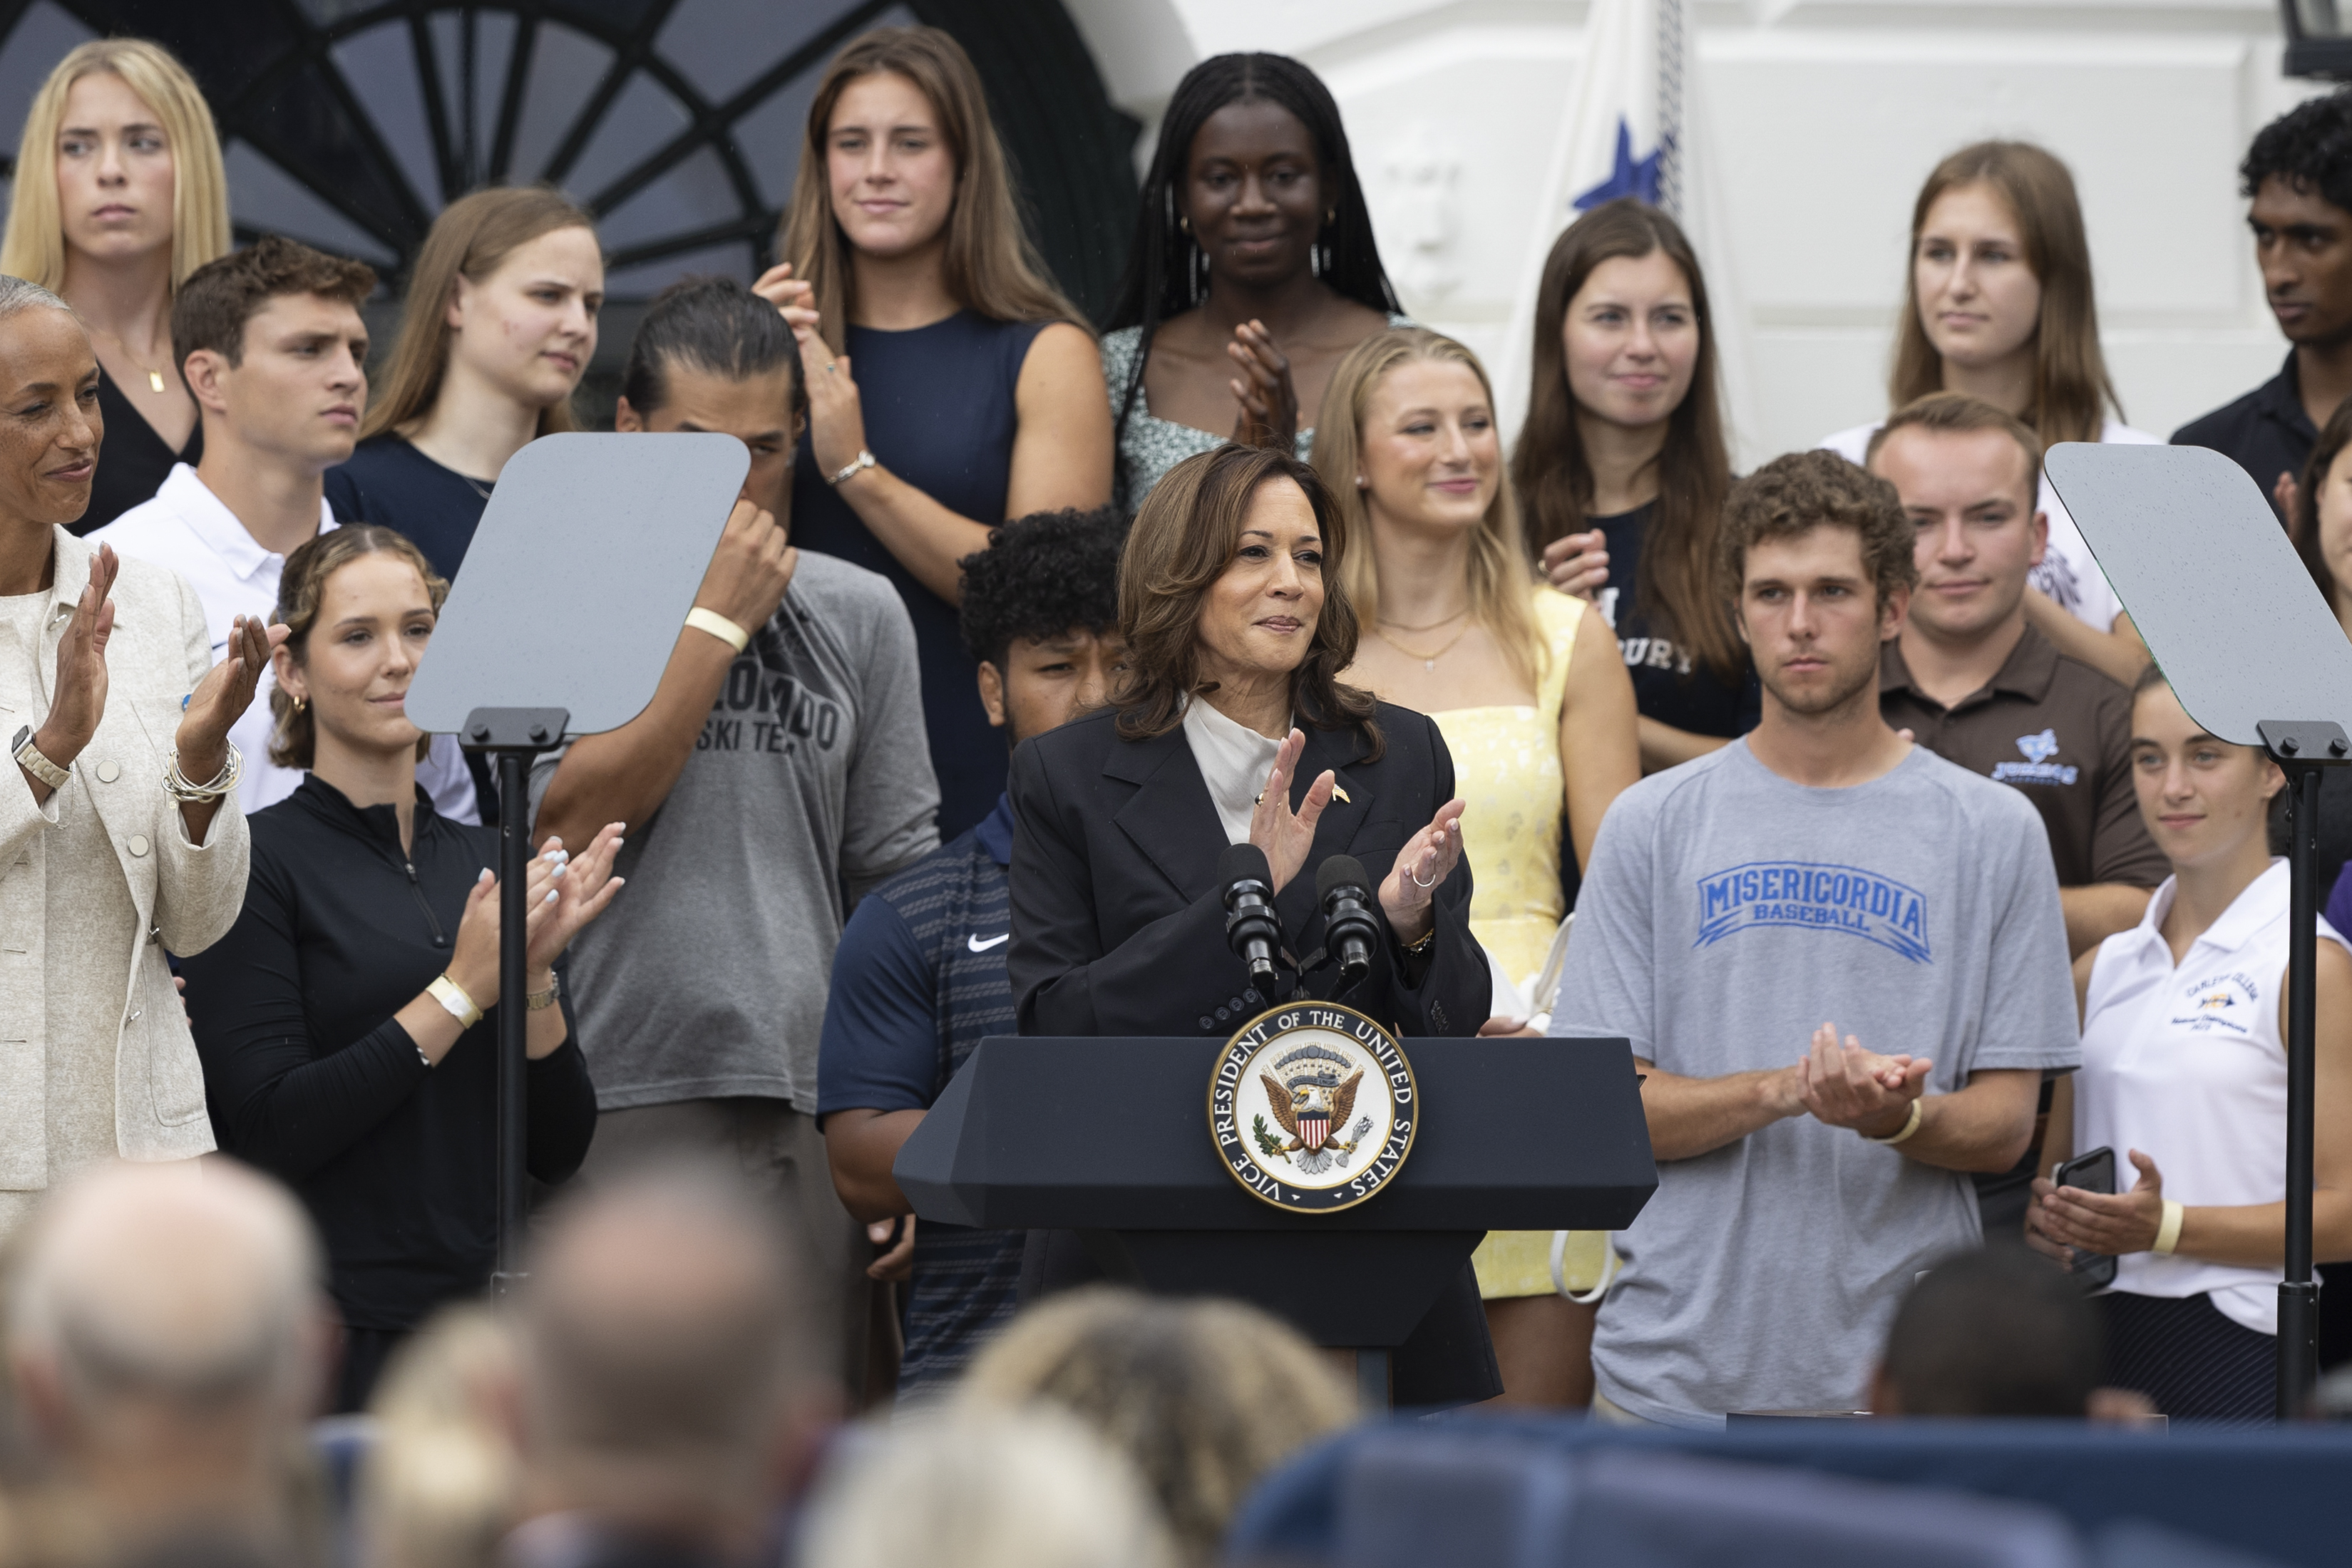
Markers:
(2298, 1315)
(514, 861)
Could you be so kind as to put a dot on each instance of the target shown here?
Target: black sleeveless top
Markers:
(133, 460)
(939, 413)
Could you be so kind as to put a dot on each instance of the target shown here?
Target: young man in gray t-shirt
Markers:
(779, 773)
(1841, 965)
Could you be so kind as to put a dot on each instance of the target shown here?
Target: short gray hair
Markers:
(20, 294)
(173, 1283)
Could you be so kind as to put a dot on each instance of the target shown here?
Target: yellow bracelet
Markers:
(2168, 1235)
(719, 626)
(452, 995)
(1909, 1126)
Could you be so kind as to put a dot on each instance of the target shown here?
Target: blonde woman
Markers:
(976, 393)
(1525, 683)
(1999, 303)
(500, 323)
(118, 197)
(1205, 1397)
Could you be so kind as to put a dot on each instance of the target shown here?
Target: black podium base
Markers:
(1363, 1290)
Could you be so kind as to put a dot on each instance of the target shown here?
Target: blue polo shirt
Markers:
(918, 981)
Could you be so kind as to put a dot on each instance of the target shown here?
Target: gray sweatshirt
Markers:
(811, 782)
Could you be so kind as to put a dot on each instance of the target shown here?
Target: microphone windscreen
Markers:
(1341, 871)
(1243, 860)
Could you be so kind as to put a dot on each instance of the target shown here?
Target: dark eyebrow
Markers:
(688, 425)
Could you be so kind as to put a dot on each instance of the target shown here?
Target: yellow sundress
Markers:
(1507, 769)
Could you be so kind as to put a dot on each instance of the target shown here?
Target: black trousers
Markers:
(2196, 1362)
(365, 1351)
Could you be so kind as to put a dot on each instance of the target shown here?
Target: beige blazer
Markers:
(186, 895)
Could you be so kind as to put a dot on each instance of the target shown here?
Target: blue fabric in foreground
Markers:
(2271, 1493)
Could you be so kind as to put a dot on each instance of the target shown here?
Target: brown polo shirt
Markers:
(2056, 729)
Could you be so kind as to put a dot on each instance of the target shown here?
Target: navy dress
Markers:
(940, 414)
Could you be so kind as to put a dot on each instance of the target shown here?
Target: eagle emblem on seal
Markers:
(1309, 1100)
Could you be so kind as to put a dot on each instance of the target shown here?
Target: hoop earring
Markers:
(1315, 260)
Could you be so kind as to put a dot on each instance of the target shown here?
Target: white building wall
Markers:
(1822, 117)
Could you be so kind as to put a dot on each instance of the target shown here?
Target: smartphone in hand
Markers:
(2094, 1172)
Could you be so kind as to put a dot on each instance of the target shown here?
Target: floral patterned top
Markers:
(1151, 445)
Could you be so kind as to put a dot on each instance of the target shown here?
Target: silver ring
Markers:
(1414, 877)
(829, 369)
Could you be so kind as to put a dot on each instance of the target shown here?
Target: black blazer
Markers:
(1119, 924)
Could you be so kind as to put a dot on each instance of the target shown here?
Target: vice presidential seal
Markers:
(1312, 1107)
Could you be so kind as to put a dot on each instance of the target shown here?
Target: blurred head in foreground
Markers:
(170, 1342)
(987, 1489)
(664, 1391)
(442, 1484)
(1996, 1332)
(1203, 1397)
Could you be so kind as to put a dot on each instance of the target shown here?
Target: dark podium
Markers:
(1110, 1138)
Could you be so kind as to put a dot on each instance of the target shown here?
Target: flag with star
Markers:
(1629, 128)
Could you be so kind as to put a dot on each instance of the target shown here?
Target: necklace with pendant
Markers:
(155, 376)
(1428, 661)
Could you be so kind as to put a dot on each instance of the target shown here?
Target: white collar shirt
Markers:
(2185, 1064)
(191, 530)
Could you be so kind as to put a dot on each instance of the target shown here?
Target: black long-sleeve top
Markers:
(309, 1077)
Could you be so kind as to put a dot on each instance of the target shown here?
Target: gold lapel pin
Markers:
(1341, 793)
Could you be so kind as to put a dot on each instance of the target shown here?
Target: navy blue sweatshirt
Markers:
(309, 1077)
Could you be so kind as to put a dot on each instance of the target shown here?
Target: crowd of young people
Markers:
(1856, 750)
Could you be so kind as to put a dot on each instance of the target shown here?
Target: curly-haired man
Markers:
(2297, 177)
(919, 977)
(1820, 868)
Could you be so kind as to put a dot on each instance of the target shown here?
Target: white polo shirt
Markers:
(2069, 573)
(2185, 1064)
(189, 530)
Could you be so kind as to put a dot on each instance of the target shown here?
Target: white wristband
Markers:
(1910, 1125)
(452, 995)
(719, 626)
(2168, 1233)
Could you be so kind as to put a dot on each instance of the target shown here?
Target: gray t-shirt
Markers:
(1727, 913)
(811, 782)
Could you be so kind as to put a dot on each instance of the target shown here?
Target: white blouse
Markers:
(1234, 760)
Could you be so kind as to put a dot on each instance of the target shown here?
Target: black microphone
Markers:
(1253, 930)
(1350, 929)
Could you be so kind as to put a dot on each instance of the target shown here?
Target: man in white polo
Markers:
(271, 344)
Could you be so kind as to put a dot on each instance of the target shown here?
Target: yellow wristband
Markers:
(719, 626)
(452, 995)
(2168, 1235)
(1909, 1126)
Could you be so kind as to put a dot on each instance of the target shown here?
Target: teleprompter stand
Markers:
(588, 556)
(2200, 560)
(1110, 1138)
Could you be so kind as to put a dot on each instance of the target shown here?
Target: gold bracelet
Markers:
(1910, 1126)
(2168, 1234)
(452, 995)
(719, 626)
(1427, 937)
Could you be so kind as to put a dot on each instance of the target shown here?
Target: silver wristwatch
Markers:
(865, 460)
(29, 758)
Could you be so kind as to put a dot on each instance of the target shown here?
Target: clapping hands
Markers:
(1846, 1086)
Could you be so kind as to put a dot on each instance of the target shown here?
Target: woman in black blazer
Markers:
(1232, 726)
(1230, 602)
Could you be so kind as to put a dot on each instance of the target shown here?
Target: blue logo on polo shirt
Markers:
(2037, 768)
(1817, 897)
